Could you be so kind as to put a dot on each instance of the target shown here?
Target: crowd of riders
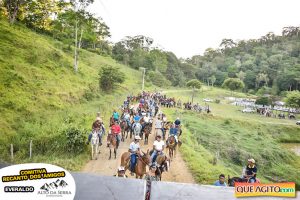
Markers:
(141, 110)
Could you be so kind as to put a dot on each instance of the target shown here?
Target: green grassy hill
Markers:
(222, 142)
(41, 96)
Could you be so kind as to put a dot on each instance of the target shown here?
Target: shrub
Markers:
(263, 101)
(194, 83)
(109, 77)
(75, 140)
(158, 79)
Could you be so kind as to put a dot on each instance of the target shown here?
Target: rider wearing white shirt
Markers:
(134, 149)
(158, 127)
(158, 147)
(146, 119)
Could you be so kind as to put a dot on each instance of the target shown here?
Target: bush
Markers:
(109, 77)
(158, 79)
(293, 99)
(75, 140)
(217, 101)
(194, 83)
(263, 101)
(233, 84)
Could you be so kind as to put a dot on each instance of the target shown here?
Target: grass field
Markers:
(41, 96)
(230, 137)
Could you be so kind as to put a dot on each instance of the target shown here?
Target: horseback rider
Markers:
(121, 172)
(173, 132)
(156, 109)
(251, 171)
(136, 119)
(158, 148)
(97, 125)
(177, 122)
(126, 118)
(158, 126)
(134, 149)
(116, 131)
(116, 115)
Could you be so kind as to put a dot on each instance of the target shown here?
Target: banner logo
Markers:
(36, 181)
(258, 189)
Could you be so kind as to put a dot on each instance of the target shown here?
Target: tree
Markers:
(13, 7)
(158, 79)
(109, 77)
(212, 80)
(241, 75)
(262, 78)
(263, 101)
(293, 99)
(79, 8)
(233, 84)
(194, 83)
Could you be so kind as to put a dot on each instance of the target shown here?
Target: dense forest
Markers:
(268, 65)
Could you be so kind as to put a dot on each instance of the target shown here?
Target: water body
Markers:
(295, 147)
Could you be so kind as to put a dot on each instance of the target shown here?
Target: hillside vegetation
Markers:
(42, 96)
(224, 140)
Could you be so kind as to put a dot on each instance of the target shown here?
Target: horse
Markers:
(125, 128)
(172, 146)
(137, 129)
(166, 126)
(233, 180)
(95, 144)
(112, 141)
(140, 167)
(111, 121)
(292, 116)
(281, 116)
(163, 164)
(147, 131)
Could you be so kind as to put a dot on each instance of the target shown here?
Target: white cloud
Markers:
(188, 27)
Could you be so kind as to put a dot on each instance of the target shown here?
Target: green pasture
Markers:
(221, 142)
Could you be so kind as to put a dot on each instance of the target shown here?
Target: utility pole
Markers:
(143, 82)
(193, 94)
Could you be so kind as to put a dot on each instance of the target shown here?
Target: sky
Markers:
(188, 27)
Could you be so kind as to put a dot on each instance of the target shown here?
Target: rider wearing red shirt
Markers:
(116, 130)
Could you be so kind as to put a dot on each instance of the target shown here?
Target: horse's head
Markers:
(230, 181)
(146, 157)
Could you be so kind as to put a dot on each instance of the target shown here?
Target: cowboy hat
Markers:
(121, 168)
(251, 160)
(137, 137)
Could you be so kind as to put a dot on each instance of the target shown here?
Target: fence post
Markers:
(12, 151)
(30, 149)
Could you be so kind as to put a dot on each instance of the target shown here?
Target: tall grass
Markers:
(41, 96)
(236, 140)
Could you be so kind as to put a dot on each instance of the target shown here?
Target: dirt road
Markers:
(178, 170)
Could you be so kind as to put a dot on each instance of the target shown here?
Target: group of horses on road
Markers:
(270, 113)
(144, 159)
(142, 128)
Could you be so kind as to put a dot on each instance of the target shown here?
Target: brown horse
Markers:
(147, 131)
(233, 180)
(172, 146)
(166, 126)
(111, 121)
(112, 142)
(140, 167)
(125, 128)
(163, 164)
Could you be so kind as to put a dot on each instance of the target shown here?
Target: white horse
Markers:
(95, 144)
(137, 129)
